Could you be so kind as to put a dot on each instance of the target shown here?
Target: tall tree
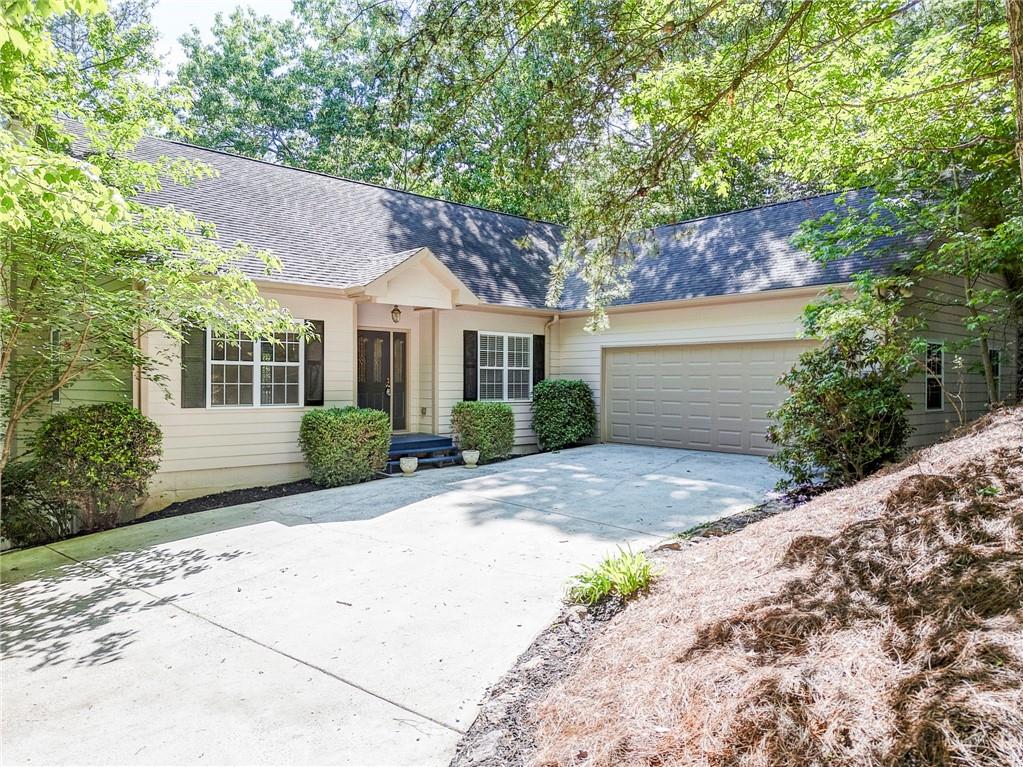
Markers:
(914, 99)
(86, 272)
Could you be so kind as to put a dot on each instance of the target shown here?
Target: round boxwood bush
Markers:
(98, 458)
(30, 515)
(563, 413)
(344, 445)
(485, 426)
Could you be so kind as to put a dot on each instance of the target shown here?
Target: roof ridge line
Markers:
(334, 177)
(759, 207)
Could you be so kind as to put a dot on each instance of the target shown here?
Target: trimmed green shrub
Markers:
(344, 445)
(563, 413)
(98, 458)
(624, 575)
(845, 416)
(485, 426)
(30, 516)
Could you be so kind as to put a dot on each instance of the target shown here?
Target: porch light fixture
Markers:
(396, 314)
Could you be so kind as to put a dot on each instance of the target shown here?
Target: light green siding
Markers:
(963, 378)
(90, 389)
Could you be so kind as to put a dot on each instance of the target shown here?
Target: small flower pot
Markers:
(471, 458)
(408, 465)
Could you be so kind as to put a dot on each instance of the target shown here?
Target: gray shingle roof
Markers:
(747, 251)
(332, 232)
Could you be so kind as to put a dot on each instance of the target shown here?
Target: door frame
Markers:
(408, 369)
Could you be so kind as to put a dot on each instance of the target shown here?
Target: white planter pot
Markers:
(408, 465)
(471, 458)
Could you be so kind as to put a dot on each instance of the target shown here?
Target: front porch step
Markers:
(430, 449)
(451, 458)
(411, 444)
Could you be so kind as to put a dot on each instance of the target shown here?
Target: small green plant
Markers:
(98, 458)
(485, 426)
(344, 445)
(30, 515)
(563, 413)
(625, 574)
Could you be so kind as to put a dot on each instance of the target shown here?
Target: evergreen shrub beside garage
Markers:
(485, 426)
(563, 413)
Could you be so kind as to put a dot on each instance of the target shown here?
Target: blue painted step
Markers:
(430, 449)
(411, 444)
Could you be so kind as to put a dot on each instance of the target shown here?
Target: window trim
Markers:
(998, 376)
(940, 378)
(257, 365)
(504, 366)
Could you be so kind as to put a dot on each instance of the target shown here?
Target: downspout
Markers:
(548, 346)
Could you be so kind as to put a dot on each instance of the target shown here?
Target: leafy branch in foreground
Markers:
(86, 271)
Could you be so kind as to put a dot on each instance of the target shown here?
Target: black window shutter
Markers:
(470, 365)
(539, 363)
(193, 367)
(314, 364)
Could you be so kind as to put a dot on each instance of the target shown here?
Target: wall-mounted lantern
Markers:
(396, 314)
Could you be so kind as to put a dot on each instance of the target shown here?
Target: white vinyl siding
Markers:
(451, 361)
(207, 450)
(576, 353)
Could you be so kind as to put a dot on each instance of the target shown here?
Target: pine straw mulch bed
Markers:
(501, 733)
(877, 625)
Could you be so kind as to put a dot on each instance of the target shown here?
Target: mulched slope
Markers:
(880, 624)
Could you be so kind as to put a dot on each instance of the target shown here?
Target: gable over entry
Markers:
(413, 278)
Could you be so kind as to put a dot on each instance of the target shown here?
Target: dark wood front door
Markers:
(382, 373)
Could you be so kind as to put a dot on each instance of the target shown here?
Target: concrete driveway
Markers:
(359, 625)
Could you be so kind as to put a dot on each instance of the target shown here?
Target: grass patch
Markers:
(624, 575)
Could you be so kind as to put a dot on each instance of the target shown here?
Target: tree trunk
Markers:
(1014, 20)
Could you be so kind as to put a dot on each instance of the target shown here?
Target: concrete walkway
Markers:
(355, 626)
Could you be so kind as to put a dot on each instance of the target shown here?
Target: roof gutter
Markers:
(678, 303)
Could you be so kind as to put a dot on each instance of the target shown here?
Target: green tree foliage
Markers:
(913, 99)
(344, 445)
(845, 416)
(98, 459)
(79, 255)
(563, 413)
(318, 91)
(477, 110)
(31, 516)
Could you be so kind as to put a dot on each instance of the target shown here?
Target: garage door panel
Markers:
(645, 407)
(671, 408)
(702, 397)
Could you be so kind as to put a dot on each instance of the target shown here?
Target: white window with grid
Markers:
(280, 370)
(505, 366)
(248, 373)
(232, 368)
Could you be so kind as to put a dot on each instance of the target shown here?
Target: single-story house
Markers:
(421, 303)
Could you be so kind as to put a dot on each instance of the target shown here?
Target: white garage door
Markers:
(700, 397)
